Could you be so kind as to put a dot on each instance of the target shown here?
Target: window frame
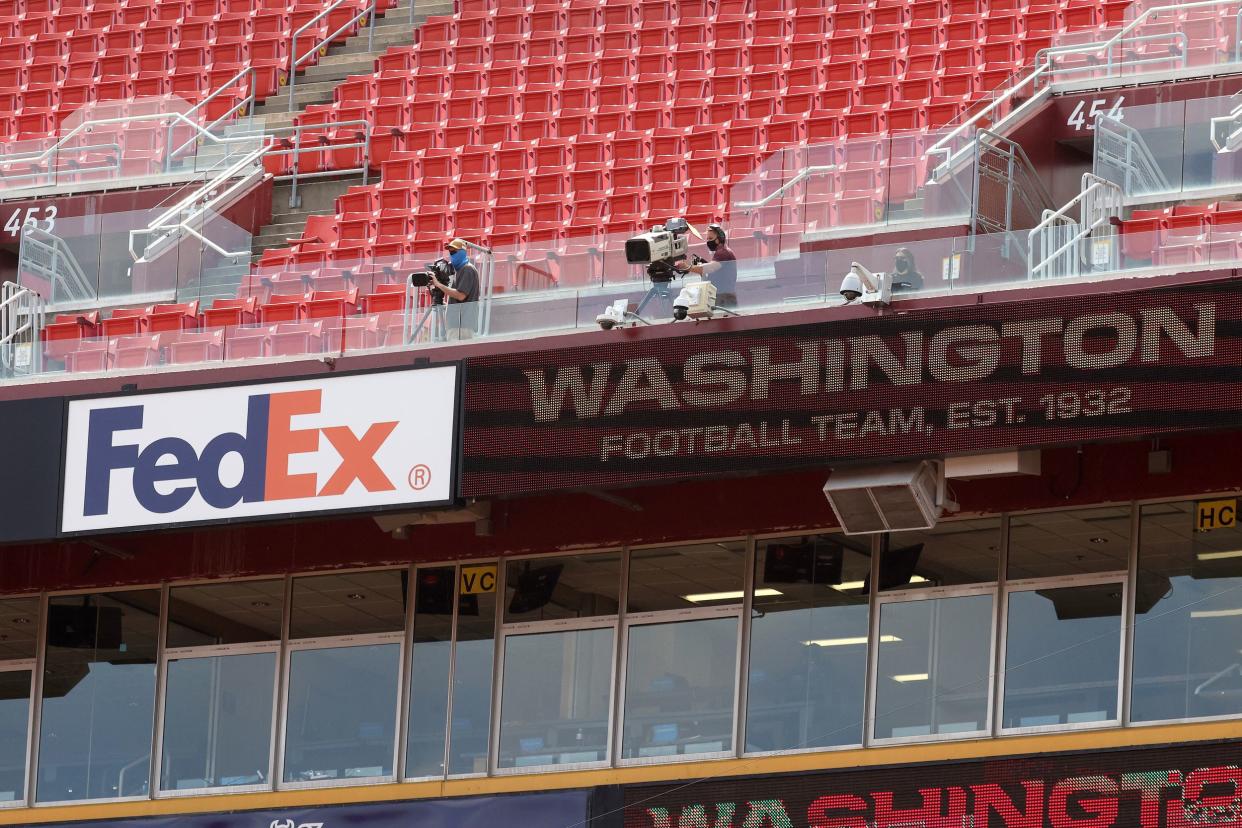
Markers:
(752, 583)
(930, 594)
(167, 654)
(336, 642)
(1116, 577)
(37, 725)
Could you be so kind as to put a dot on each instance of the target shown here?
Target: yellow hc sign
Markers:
(477, 580)
(1216, 514)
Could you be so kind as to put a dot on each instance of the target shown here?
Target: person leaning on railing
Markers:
(463, 296)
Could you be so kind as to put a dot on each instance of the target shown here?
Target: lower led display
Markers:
(1177, 787)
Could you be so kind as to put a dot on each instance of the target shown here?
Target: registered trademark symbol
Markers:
(420, 477)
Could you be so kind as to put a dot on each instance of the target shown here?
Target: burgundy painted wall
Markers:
(520, 525)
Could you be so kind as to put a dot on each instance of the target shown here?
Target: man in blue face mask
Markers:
(462, 318)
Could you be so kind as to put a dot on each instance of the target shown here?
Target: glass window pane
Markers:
(355, 603)
(472, 683)
(218, 721)
(679, 688)
(14, 733)
(1061, 656)
(557, 687)
(18, 627)
(429, 671)
(342, 712)
(808, 647)
(1069, 543)
(1187, 618)
(581, 586)
(228, 613)
(952, 554)
(689, 576)
(98, 696)
(933, 672)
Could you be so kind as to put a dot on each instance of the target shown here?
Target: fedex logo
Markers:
(265, 450)
(343, 442)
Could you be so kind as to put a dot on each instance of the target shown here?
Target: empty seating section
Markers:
(312, 320)
(553, 131)
(58, 55)
(1185, 234)
(542, 126)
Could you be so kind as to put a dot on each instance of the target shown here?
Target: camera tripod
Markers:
(660, 290)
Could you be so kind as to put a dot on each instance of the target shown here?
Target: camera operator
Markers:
(463, 296)
(721, 271)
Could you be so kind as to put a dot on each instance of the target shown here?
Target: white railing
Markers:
(202, 202)
(295, 61)
(1059, 245)
(47, 256)
(21, 319)
(1044, 66)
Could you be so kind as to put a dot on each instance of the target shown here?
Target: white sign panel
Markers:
(347, 442)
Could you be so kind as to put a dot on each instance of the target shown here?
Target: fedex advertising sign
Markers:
(347, 442)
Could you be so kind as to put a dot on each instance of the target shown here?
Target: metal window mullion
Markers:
(621, 649)
(403, 654)
(871, 680)
(1129, 593)
(743, 652)
(281, 709)
(498, 666)
(1000, 627)
(36, 702)
(452, 672)
(155, 763)
(407, 670)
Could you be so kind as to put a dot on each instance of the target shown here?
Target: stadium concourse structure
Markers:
(928, 519)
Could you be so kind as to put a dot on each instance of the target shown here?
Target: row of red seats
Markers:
(397, 96)
(1147, 233)
(892, 31)
(315, 303)
(250, 342)
(598, 12)
(129, 11)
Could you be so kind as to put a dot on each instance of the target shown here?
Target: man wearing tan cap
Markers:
(462, 321)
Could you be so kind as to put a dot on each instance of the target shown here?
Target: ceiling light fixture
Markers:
(905, 677)
(259, 604)
(700, 597)
(1219, 556)
(845, 642)
(1225, 613)
(355, 596)
(844, 585)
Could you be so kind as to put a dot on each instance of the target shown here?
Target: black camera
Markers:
(442, 270)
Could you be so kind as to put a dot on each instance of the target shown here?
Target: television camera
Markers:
(442, 270)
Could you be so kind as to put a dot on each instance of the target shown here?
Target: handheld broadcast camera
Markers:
(442, 270)
(660, 249)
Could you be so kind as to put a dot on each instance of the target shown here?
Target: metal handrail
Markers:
(295, 61)
(90, 148)
(247, 103)
(297, 149)
(1043, 65)
(21, 317)
(1092, 184)
(802, 175)
(199, 202)
(86, 126)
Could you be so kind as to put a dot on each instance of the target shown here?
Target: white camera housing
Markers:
(874, 289)
(697, 300)
(614, 315)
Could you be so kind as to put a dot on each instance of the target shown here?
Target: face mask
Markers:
(902, 265)
(712, 244)
(458, 259)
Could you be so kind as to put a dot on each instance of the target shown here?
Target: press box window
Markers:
(18, 646)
